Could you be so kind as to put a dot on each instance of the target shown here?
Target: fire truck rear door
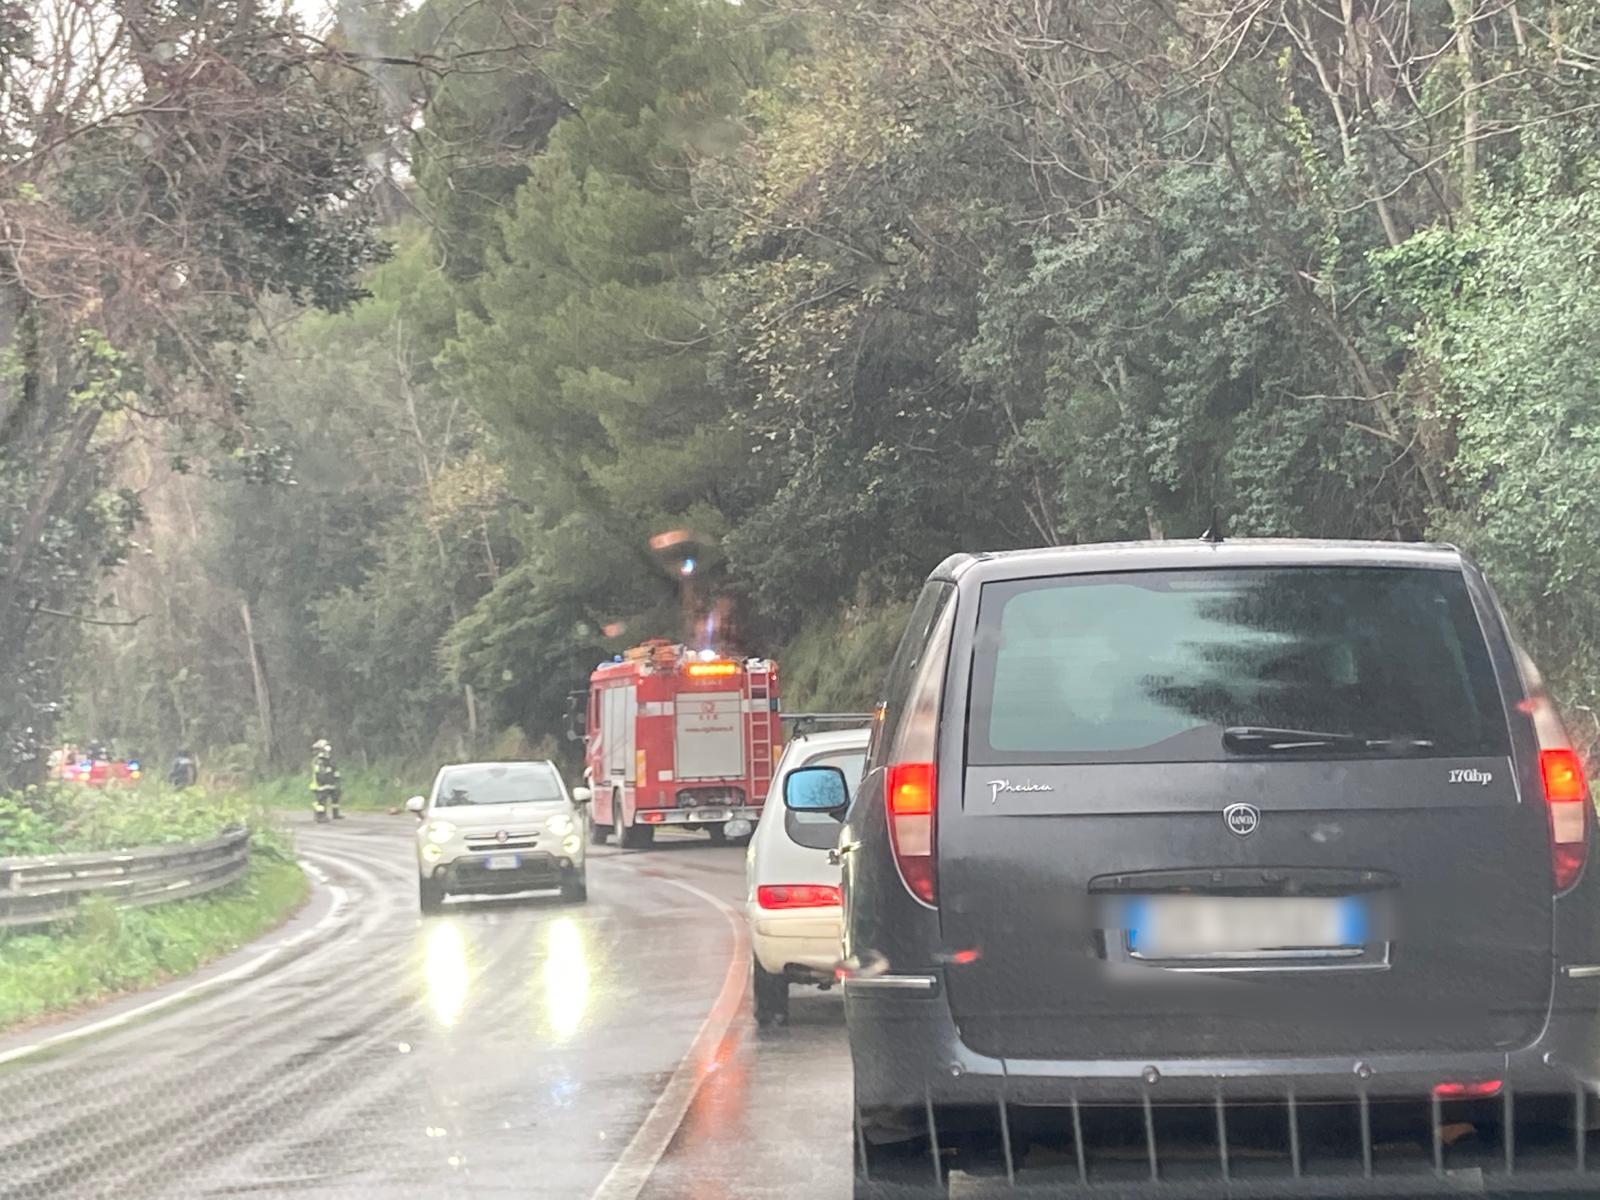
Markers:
(710, 727)
(619, 706)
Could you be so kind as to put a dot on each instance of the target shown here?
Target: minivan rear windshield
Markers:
(1156, 666)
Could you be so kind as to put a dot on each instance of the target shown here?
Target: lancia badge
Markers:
(1241, 819)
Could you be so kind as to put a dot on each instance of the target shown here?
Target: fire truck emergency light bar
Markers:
(707, 670)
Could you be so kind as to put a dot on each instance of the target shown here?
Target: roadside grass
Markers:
(104, 950)
(371, 789)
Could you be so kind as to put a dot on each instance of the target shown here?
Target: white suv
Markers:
(792, 906)
(497, 828)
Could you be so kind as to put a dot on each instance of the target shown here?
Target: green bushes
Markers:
(25, 824)
(64, 819)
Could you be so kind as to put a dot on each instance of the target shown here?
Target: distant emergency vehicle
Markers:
(93, 769)
(679, 737)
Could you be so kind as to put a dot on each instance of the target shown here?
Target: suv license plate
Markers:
(503, 862)
(1198, 926)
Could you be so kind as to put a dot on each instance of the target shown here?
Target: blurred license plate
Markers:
(503, 862)
(713, 814)
(1196, 926)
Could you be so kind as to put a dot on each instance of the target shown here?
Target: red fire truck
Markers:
(679, 737)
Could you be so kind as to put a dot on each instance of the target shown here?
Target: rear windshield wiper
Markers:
(1273, 739)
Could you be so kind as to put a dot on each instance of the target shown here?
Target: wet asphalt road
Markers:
(504, 1048)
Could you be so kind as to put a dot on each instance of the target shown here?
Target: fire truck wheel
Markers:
(719, 834)
(598, 833)
(617, 828)
(771, 996)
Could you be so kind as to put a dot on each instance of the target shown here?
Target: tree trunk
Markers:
(259, 678)
(1462, 11)
(32, 526)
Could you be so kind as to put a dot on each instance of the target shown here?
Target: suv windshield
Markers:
(498, 785)
(1154, 666)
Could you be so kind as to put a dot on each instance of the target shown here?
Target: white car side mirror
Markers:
(416, 804)
(581, 795)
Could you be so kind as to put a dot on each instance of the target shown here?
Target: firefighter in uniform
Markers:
(185, 772)
(324, 782)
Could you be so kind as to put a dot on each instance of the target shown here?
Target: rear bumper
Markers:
(803, 942)
(927, 1107)
(906, 1049)
(694, 816)
(470, 874)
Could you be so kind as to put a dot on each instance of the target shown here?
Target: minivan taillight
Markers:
(912, 789)
(1561, 778)
(1566, 795)
(910, 782)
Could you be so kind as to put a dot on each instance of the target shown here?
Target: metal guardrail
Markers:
(40, 890)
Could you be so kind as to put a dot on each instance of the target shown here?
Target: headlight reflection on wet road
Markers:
(444, 970)
(566, 978)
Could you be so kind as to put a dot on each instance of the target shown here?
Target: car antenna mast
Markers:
(1214, 533)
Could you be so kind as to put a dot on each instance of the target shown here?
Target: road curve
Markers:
(504, 1048)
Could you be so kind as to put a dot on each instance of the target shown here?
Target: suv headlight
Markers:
(559, 824)
(439, 832)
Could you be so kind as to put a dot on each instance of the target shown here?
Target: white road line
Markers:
(368, 909)
(243, 970)
(632, 1170)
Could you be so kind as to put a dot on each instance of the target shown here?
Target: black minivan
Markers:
(1190, 868)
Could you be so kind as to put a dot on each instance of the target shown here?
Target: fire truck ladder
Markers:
(760, 729)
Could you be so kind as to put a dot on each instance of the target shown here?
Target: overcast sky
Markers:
(320, 12)
(315, 13)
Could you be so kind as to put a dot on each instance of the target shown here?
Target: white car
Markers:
(498, 828)
(792, 905)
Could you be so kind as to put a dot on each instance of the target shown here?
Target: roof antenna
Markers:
(1214, 533)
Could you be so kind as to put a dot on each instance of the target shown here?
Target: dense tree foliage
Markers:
(386, 524)
(164, 167)
(823, 292)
